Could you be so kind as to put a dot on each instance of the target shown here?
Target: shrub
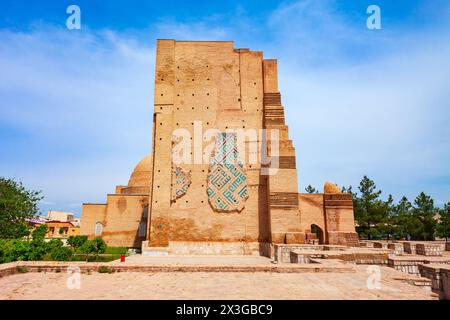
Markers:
(22, 269)
(36, 249)
(53, 244)
(61, 254)
(76, 241)
(105, 269)
(17, 250)
(39, 233)
(96, 246)
(99, 246)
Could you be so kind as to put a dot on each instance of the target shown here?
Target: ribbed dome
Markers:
(142, 173)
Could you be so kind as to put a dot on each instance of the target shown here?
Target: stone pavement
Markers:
(213, 285)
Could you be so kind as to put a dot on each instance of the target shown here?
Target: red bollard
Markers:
(122, 258)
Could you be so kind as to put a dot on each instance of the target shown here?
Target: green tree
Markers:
(99, 246)
(61, 254)
(54, 244)
(424, 222)
(96, 246)
(388, 226)
(38, 234)
(403, 218)
(76, 241)
(443, 227)
(311, 189)
(38, 246)
(17, 204)
(347, 189)
(370, 211)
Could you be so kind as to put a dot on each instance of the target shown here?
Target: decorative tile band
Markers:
(181, 180)
(227, 181)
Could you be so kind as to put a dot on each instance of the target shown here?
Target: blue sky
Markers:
(76, 105)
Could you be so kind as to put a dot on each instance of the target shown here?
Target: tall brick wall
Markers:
(211, 85)
(221, 87)
(282, 183)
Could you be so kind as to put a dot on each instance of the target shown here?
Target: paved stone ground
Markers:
(214, 285)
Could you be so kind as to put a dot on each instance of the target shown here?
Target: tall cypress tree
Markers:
(403, 216)
(424, 214)
(370, 210)
(443, 227)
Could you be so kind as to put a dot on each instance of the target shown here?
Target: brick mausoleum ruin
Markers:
(215, 198)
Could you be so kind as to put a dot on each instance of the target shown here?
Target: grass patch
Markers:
(116, 250)
(105, 269)
(22, 269)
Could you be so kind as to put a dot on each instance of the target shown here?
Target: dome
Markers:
(142, 173)
(330, 187)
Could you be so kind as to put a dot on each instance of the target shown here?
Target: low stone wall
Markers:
(282, 252)
(380, 244)
(295, 257)
(87, 267)
(353, 255)
(439, 274)
(366, 243)
(430, 249)
(209, 248)
(409, 247)
(406, 266)
(432, 272)
(397, 248)
(445, 276)
(447, 246)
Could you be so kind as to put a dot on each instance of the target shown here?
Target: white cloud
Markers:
(356, 102)
(83, 102)
(381, 110)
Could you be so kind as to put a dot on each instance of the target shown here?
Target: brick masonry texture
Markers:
(213, 84)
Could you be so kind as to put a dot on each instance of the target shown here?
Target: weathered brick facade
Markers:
(194, 204)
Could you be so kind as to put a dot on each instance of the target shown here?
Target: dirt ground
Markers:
(210, 285)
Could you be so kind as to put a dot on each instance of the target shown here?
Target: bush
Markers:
(61, 254)
(39, 233)
(54, 244)
(23, 250)
(105, 269)
(22, 269)
(53, 250)
(76, 241)
(96, 246)
(14, 250)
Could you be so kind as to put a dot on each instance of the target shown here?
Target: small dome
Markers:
(330, 187)
(142, 173)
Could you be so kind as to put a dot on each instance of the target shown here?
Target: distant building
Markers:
(76, 222)
(61, 224)
(57, 215)
(61, 229)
